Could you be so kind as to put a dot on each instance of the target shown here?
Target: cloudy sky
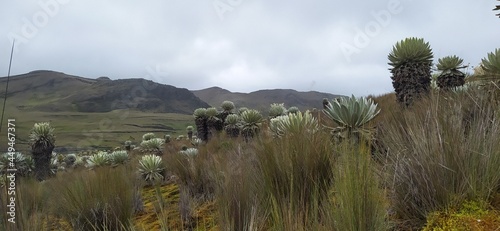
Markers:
(331, 46)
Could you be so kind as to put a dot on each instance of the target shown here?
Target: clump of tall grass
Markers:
(359, 201)
(445, 149)
(195, 171)
(102, 199)
(239, 194)
(296, 173)
(32, 211)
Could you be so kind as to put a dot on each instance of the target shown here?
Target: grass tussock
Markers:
(237, 195)
(296, 172)
(102, 199)
(359, 201)
(32, 208)
(443, 150)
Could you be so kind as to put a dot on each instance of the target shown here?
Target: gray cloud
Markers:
(254, 45)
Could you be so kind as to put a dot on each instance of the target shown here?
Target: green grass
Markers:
(96, 130)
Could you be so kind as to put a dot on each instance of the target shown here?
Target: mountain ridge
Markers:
(52, 91)
(262, 99)
(44, 90)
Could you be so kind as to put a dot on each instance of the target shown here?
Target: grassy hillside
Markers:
(50, 91)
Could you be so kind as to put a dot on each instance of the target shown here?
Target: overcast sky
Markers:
(333, 46)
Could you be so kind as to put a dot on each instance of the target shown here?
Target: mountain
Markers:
(262, 99)
(51, 91)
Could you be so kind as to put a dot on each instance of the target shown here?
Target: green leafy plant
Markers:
(227, 106)
(214, 123)
(154, 145)
(293, 124)
(411, 61)
(42, 141)
(190, 152)
(293, 110)
(352, 114)
(450, 75)
(98, 160)
(200, 120)
(497, 8)
(119, 157)
(491, 64)
(277, 109)
(250, 123)
(232, 126)
(189, 130)
(241, 110)
(196, 142)
(148, 136)
(22, 163)
(151, 169)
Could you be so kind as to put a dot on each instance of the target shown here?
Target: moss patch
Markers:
(471, 215)
(168, 218)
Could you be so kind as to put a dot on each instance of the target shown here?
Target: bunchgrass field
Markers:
(426, 157)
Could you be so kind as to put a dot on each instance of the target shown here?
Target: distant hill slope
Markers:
(262, 99)
(54, 91)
